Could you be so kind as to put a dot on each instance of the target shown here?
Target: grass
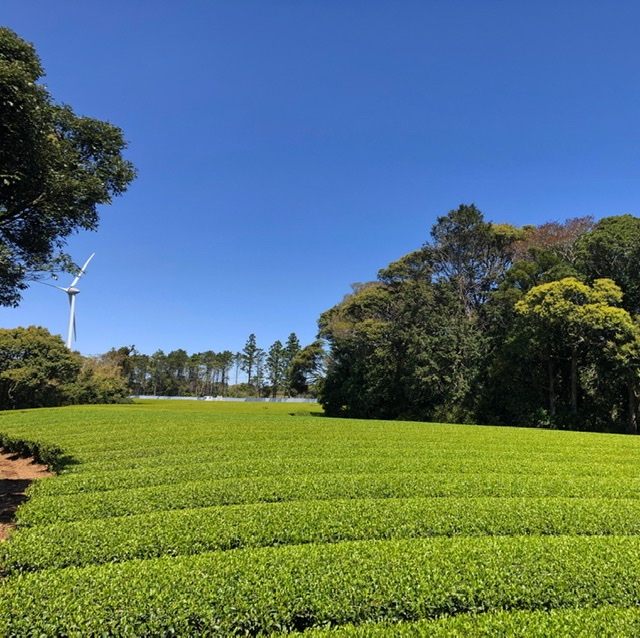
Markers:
(215, 518)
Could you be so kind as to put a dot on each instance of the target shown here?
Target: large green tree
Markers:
(570, 359)
(38, 370)
(470, 254)
(35, 368)
(56, 168)
(276, 366)
(612, 250)
(249, 355)
(360, 376)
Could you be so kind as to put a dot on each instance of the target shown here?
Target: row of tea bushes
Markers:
(257, 591)
(291, 487)
(607, 621)
(194, 531)
(169, 468)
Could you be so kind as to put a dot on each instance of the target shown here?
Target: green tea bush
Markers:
(606, 622)
(257, 591)
(194, 531)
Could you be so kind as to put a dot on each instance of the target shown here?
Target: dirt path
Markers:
(16, 474)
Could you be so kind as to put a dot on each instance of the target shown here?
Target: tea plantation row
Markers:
(257, 591)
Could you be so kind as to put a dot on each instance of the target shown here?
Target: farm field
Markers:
(223, 519)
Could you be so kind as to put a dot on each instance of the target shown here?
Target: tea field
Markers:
(221, 519)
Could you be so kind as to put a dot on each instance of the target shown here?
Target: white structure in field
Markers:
(72, 291)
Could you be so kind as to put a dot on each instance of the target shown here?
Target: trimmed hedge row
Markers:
(301, 523)
(605, 622)
(42, 452)
(194, 531)
(269, 489)
(172, 468)
(256, 591)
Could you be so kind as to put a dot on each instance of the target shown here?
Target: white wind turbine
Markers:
(72, 291)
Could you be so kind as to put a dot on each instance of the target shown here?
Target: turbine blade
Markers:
(75, 281)
(44, 283)
(75, 334)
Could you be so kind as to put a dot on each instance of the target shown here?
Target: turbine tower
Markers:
(72, 291)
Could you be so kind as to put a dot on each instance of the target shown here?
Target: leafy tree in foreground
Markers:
(38, 370)
(55, 169)
(571, 358)
(35, 367)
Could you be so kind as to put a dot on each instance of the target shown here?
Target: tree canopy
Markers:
(488, 323)
(56, 168)
(38, 370)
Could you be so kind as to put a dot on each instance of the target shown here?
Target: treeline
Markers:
(283, 370)
(38, 370)
(490, 323)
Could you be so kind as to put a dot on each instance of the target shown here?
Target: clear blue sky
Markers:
(287, 148)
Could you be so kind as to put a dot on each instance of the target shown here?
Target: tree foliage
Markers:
(612, 250)
(496, 324)
(210, 373)
(56, 168)
(581, 329)
(250, 356)
(470, 254)
(38, 370)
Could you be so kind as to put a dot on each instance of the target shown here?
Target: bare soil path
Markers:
(16, 474)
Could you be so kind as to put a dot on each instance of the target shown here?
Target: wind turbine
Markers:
(72, 291)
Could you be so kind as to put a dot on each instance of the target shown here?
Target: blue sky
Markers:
(288, 148)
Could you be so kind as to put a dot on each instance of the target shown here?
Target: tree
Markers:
(471, 254)
(158, 373)
(402, 347)
(100, 380)
(178, 367)
(291, 350)
(55, 169)
(588, 344)
(225, 362)
(35, 368)
(558, 238)
(258, 376)
(612, 250)
(307, 368)
(361, 372)
(276, 366)
(249, 353)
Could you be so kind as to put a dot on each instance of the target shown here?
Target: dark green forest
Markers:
(490, 323)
